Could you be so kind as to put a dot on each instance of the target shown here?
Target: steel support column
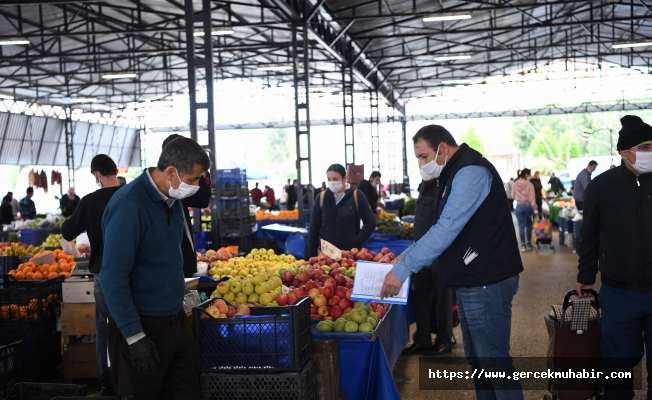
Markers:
(347, 105)
(406, 178)
(300, 54)
(70, 157)
(205, 61)
(375, 131)
(143, 154)
(391, 135)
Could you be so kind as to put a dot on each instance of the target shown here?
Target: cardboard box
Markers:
(78, 290)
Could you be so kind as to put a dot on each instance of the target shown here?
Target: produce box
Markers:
(46, 391)
(78, 318)
(349, 336)
(300, 385)
(10, 366)
(231, 181)
(80, 362)
(33, 236)
(40, 344)
(271, 338)
(30, 300)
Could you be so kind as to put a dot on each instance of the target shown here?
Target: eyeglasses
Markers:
(643, 148)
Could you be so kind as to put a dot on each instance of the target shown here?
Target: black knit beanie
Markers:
(634, 132)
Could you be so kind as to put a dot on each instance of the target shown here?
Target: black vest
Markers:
(490, 231)
(424, 215)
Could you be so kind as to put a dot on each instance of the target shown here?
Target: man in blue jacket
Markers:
(151, 347)
(475, 242)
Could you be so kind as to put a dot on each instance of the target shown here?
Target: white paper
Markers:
(68, 247)
(369, 278)
(331, 251)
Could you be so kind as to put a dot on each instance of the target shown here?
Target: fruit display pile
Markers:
(360, 319)
(223, 254)
(62, 265)
(18, 249)
(260, 214)
(391, 227)
(53, 240)
(49, 307)
(384, 215)
(408, 231)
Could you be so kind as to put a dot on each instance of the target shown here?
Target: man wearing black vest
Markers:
(475, 242)
(428, 283)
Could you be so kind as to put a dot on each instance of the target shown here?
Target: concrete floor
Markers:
(545, 280)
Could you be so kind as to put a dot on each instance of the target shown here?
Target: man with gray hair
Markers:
(151, 347)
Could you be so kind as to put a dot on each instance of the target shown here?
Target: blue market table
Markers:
(366, 359)
(279, 231)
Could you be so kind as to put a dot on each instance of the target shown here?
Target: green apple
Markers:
(253, 298)
(223, 288)
(262, 288)
(229, 297)
(265, 299)
(247, 288)
(241, 298)
(236, 287)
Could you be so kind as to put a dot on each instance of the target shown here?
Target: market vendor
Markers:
(151, 347)
(201, 199)
(337, 213)
(88, 218)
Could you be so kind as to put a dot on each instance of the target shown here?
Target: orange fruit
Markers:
(29, 275)
(33, 305)
(66, 274)
(22, 312)
(52, 275)
(13, 273)
(53, 268)
(27, 270)
(21, 267)
(20, 275)
(65, 268)
(70, 258)
(38, 276)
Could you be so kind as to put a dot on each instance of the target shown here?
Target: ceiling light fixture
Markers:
(453, 57)
(119, 75)
(83, 99)
(626, 45)
(458, 82)
(275, 67)
(14, 42)
(216, 32)
(436, 18)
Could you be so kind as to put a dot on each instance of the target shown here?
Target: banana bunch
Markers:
(17, 250)
(385, 215)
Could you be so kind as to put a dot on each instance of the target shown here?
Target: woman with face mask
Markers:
(337, 213)
(526, 205)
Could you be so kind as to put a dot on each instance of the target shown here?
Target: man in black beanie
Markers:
(615, 239)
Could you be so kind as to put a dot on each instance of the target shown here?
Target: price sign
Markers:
(68, 247)
(331, 251)
(44, 259)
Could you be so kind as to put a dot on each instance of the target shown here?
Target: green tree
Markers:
(471, 138)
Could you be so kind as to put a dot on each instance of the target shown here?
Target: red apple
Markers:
(334, 272)
(324, 278)
(313, 292)
(385, 260)
(312, 285)
(304, 276)
(348, 310)
(300, 293)
(349, 283)
(282, 299)
(296, 283)
(348, 293)
(336, 312)
(370, 257)
(328, 292)
(335, 265)
(377, 258)
(345, 254)
(312, 260)
(330, 282)
(313, 309)
(320, 300)
(354, 252)
(340, 280)
(362, 255)
(232, 312)
(315, 317)
(323, 311)
(344, 303)
(340, 291)
(333, 301)
(317, 274)
(385, 250)
(287, 276)
(292, 297)
(322, 261)
(328, 318)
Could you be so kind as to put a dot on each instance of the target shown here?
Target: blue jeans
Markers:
(524, 214)
(626, 332)
(101, 315)
(486, 321)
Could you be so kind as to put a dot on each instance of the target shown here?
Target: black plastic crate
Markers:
(46, 391)
(272, 338)
(300, 385)
(234, 208)
(10, 366)
(7, 263)
(236, 227)
(41, 349)
(30, 300)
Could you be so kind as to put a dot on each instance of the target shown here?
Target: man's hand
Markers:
(397, 260)
(391, 286)
(144, 355)
(579, 287)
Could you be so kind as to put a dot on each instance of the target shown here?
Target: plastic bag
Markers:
(84, 245)
(50, 221)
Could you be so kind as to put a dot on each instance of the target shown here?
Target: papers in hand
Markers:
(68, 247)
(331, 251)
(369, 278)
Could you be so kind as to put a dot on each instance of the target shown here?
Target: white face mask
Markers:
(643, 162)
(335, 186)
(432, 170)
(184, 190)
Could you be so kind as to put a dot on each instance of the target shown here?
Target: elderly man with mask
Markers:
(151, 346)
(475, 242)
(616, 238)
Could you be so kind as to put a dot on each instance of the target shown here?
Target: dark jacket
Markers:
(6, 214)
(538, 196)
(67, 205)
(201, 199)
(88, 217)
(370, 191)
(616, 231)
(339, 224)
(555, 185)
(291, 191)
(490, 231)
(424, 214)
(27, 208)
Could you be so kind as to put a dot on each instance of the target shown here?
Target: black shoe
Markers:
(107, 391)
(437, 350)
(415, 348)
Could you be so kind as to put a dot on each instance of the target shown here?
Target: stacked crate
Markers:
(233, 196)
(264, 355)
